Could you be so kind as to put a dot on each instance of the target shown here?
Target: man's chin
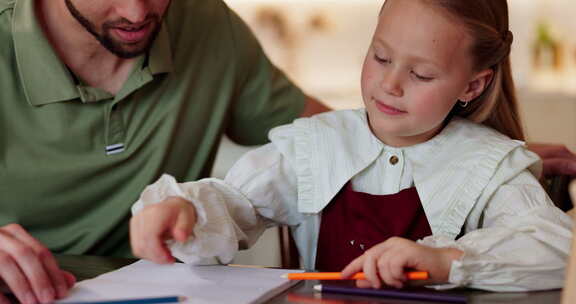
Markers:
(127, 50)
(133, 51)
(127, 54)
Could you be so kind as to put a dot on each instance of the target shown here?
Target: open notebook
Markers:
(199, 284)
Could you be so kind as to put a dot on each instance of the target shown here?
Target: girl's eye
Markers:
(422, 78)
(381, 60)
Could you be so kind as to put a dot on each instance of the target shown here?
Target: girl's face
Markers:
(417, 68)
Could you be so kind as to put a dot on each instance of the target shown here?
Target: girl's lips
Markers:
(388, 109)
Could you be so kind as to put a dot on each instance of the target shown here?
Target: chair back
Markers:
(569, 292)
(557, 188)
(288, 251)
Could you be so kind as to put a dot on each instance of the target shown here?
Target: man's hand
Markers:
(387, 262)
(172, 219)
(557, 159)
(29, 269)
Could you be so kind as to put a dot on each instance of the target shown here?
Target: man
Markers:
(92, 95)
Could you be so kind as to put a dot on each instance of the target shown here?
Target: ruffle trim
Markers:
(470, 187)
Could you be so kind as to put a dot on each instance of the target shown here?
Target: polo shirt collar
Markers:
(161, 53)
(44, 77)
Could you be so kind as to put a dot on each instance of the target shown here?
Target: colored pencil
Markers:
(411, 275)
(155, 300)
(397, 294)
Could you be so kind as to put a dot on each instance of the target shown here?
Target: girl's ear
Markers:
(477, 85)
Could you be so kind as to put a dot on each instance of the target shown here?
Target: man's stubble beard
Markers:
(106, 39)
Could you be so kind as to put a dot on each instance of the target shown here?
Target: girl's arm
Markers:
(197, 221)
(523, 244)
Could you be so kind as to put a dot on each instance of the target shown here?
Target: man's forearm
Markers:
(313, 106)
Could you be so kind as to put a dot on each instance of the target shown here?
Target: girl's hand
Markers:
(387, 262)
(172, 219)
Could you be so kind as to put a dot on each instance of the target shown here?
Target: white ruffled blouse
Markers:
(470, 179)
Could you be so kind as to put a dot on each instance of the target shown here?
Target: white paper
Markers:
(199, 284)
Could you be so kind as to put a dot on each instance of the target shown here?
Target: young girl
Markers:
(431, 175)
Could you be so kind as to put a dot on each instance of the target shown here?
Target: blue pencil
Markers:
(171, 299)
(407, 295)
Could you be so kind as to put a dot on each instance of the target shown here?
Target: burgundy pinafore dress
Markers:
(355, 221)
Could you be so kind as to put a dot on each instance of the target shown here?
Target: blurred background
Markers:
(321, 44)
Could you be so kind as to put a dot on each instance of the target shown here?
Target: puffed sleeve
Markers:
(257, 193)
(523, 244)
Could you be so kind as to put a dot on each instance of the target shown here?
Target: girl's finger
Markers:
(148, 234)
(135, 236)
(354, 267)
(157, 251)
(363, 284)
(396, 267)
(138, 235)
(371, 272)
(383, 270)
(183, 228)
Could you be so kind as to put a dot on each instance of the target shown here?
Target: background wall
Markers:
(321, 45)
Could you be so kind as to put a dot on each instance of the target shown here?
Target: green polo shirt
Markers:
(73, 158)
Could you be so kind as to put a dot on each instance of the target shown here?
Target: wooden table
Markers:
(85, 267)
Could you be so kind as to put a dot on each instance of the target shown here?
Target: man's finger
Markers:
(32, 268)
(4, 300)
(15, 279)
(48, 262)
(58, 280)
(559, 166)
(38, 264)
(70, 279)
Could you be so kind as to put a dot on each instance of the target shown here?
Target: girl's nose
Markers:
(134, 11)
(392, 83)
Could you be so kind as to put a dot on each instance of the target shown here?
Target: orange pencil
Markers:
(412, 275)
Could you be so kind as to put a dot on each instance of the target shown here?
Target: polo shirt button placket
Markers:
(116, 132)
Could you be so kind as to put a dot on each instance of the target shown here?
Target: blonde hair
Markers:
(487, 23)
